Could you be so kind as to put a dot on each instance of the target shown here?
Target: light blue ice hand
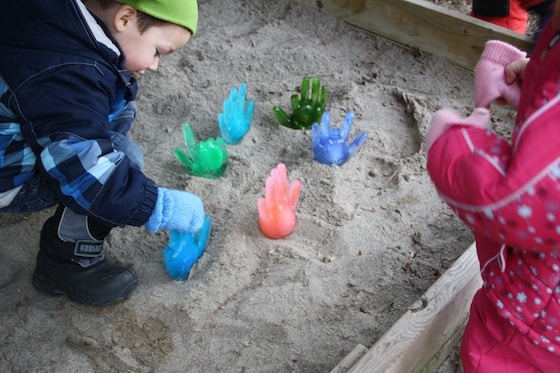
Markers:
(330, 144)
(235, 121)
(185, 249)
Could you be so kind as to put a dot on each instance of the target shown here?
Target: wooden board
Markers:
(424, 26)
(350, 359)
(411, 343)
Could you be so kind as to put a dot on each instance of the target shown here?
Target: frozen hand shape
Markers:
(185, 249)
(330, 145)
(235, 121)
(307, 108)
(277, 210)
(206, 159)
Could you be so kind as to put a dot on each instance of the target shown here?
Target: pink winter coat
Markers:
(509, 194)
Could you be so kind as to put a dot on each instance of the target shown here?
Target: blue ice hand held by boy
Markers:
(176, 210)
(185, 249)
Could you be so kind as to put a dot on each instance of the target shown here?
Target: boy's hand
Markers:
(176, 210)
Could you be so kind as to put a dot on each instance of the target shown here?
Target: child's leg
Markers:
(71, 262)
(39, 192)
(35, 195)
(512, 16)
(118, 128)
(491, 344)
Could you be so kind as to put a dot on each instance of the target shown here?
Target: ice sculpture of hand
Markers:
(277, 210)
(307, 109)
(330, 144)
(235, 121)
(206, 159)
(185, 249)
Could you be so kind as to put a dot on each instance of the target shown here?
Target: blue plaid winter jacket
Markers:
(60, 82)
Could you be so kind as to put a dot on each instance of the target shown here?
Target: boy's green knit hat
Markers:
(180, 12)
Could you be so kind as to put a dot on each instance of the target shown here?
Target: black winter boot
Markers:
(71, 262)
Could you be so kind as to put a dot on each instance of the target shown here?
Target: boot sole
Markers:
(47, 286)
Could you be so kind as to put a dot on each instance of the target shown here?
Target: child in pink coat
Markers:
(508, 192)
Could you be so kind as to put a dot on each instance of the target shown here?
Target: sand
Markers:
(371, 235)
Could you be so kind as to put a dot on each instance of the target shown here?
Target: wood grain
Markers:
(424, 26)
(410, 344)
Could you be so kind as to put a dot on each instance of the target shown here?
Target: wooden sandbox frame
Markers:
(424, 336)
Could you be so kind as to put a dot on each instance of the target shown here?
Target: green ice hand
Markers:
(206, 159)
(307, 109)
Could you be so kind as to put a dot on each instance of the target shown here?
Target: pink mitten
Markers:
(489, 74)
(443, 119)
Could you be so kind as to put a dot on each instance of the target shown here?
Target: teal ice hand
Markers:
(307, 107)
(235, 121)
(206, 159)
(330, 145)
(185, 249)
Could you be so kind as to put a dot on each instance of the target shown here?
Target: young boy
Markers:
(67, 85)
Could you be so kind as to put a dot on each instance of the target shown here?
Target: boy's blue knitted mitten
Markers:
(176, 210)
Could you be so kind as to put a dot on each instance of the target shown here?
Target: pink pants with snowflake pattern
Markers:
(491, 344)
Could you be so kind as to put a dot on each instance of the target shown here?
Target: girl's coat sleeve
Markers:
(509, 193)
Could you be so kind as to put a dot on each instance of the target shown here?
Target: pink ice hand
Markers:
(277, 210)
